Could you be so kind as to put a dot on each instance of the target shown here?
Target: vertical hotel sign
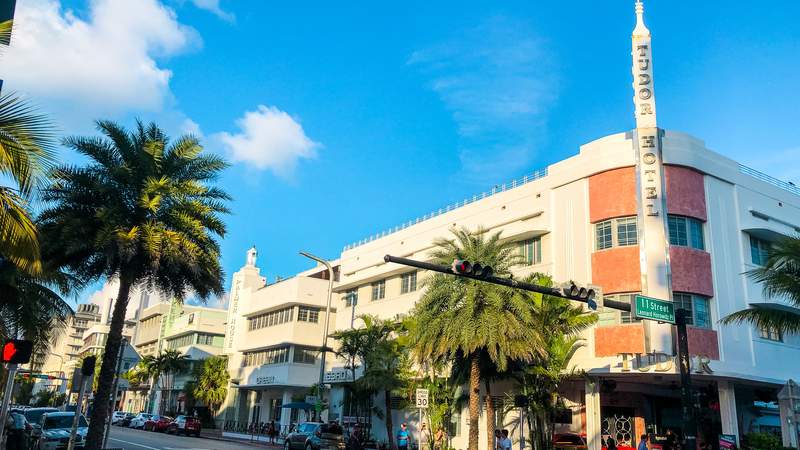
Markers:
(233, 312)
(654, 259)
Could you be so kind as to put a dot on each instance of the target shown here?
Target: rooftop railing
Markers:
(785, 185)
(495, 190)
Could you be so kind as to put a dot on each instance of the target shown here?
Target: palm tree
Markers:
(144, 211)
(561, 323)
(211, 382)
(27, 150)
(465, 318)
(31, 306)
(780, 277)
(172, 363)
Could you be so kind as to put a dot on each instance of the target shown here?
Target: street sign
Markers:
(654, 309)
(422, 398)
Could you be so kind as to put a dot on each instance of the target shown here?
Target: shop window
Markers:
(685, 232)
(770, 334)
(620, 232)
(697, 306)
(759, 251)
(408, 282)
(351, 297)
(531, 251)
(378, 290)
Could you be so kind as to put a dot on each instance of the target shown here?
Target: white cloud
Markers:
(213, 7)
(269, 139)
(102, 64)
(497, 81)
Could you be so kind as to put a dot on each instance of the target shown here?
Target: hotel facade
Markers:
(647, 211)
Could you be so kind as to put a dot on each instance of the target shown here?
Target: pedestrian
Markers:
(611, 443)
(271, 432)
(439, 438)
(671, 442)
(356, 442)
(424, 437)
(15, 431)
(505, 443)
(402, 437)
(498, 439)
(642, 443)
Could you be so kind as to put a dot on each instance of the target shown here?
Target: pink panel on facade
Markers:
(617, 269)
(612, 194)
(691, 271)
(685, 192)
(703, 342)
(609, 341)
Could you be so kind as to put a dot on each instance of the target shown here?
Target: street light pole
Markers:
(327, 320)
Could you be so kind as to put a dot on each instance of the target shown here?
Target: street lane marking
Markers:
(134, 443)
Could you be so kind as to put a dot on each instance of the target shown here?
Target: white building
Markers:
(648, 211)
(274, 335)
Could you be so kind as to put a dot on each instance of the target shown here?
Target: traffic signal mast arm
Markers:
(510, 282)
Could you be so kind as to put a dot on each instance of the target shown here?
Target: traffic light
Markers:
(477, 270)
(582, 294)
(16, 351)
(87, 367)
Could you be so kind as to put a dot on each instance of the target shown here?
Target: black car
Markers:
(126, 420)
(33, 429)
(315, 436)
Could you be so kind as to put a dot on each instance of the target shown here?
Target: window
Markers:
(378, 290)
(351, 297)
(685, 232)
(408, 282)
(770, 334)
(626, 231)
(305, 355)
(205, 339)
(759, 250)
(306, 314)
(616, 233)
(614, 317)
(603, 232)
(697, 306)
(270, 319)
(531, 251)
(181, 341)
(268, 356)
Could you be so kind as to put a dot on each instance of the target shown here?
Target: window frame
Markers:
(531, 251)
(770, 334)
(759, 255)
(607, 233)
(408, 282)
(378, 290)
(686, 231)
(351, 297)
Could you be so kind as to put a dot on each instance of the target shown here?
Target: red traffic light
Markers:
(461, 266)
(16, 351)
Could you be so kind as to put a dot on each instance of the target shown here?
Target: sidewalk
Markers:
(216, 434)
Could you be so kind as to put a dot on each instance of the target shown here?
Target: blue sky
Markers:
(345, 119)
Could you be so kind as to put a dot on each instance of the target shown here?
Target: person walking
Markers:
(424, 437)
(439, 438)
(505, 442)
(611, 443)
(642, 443)
(272, 433)
(402, 437)
(498, 439)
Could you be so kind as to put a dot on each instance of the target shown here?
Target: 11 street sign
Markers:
(654, 309)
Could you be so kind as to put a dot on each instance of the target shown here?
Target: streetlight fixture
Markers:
(327, 318)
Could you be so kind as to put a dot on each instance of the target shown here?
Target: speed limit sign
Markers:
(422, 398)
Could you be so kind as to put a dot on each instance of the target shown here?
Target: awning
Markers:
(298, 405)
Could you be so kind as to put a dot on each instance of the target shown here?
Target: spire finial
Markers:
(641, 29)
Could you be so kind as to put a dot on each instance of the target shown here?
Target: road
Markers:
(146, 440)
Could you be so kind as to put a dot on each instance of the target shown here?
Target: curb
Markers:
(238, 441)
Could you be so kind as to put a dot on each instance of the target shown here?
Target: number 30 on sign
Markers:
(422, 398)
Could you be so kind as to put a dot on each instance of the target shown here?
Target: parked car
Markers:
(33, 427)
(56, 427)
(138, 421)
(126, 419)
(116, 416)
(157, 423)
(186, 425)
(315, 436)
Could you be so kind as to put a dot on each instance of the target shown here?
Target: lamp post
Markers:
(327, 319)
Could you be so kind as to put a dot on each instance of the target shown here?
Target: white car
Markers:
(56, 427)
(138, 421)
(117, 416)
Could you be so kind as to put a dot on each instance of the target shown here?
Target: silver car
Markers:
(138, 421)
(56, 427)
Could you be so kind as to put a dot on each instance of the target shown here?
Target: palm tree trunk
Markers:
(387, 397)
(489, 416)
(94, 437)
(474, 401)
